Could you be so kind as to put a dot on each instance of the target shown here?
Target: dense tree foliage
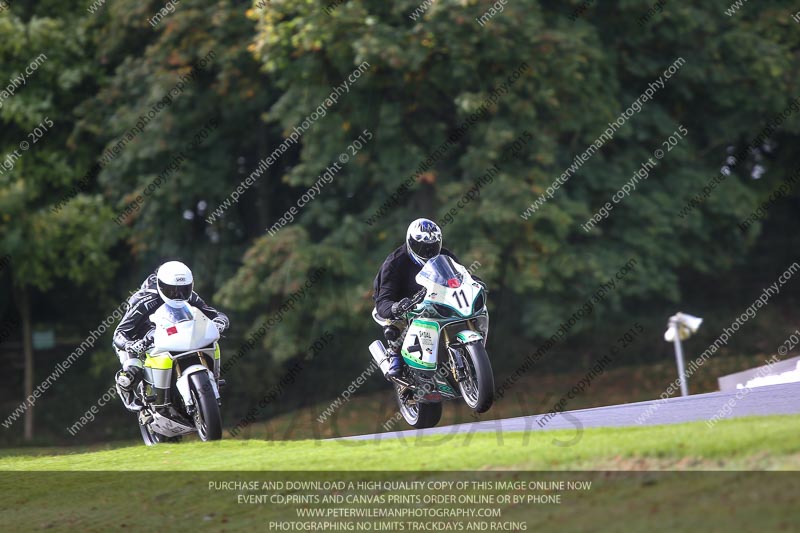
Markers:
(502, 108)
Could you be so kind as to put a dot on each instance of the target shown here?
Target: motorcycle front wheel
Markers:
(419, 415)
(207, 418)
(477, 388)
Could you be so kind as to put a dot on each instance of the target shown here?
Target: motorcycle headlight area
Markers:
(480, 302)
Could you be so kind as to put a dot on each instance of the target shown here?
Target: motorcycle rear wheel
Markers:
(420, 415)
(151, 438)
(207, 418)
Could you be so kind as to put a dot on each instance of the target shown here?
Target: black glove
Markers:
(136, 347)
(400, 308)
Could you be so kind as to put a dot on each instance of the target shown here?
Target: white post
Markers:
(679, 359)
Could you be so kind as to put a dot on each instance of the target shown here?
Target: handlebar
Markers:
(414, 300)
(145, 343)
(419, 296)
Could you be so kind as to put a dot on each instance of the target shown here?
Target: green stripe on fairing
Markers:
(445, 388)
(416, 363)
(424, 323)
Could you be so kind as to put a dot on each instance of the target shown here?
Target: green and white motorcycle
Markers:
(444, 346)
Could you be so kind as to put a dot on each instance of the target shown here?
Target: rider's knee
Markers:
(132, 362)
(391, 333)
(122, 355)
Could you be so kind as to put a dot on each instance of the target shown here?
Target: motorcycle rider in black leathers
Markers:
(171, 284)
(396, 283)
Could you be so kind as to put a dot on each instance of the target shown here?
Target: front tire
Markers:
(207, 418)
(420, 415)
(478, 388)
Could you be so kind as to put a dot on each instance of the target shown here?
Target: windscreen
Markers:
(178, 314)
(442, 271)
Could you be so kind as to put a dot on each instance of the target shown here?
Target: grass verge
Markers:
(139, 488)
(743, 444)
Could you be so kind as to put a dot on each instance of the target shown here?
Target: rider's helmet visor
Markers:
(175, 292)
(426, 250)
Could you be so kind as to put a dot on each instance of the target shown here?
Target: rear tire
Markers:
(207, 418)
(420, 415)
(478, 392)
(151, 438)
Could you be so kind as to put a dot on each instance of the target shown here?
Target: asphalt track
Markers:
(759, 401)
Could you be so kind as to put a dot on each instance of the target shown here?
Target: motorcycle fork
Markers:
(455, 359)
(457, 365)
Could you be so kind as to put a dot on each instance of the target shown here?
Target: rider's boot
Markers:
(395, 365)
(394, 341)
(127, 379)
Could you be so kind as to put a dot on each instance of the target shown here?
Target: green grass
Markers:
(140, 488)
(745, 443)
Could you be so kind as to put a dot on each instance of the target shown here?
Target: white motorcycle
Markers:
(444, 346)
(180, 389)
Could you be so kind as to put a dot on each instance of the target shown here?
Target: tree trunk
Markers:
(25, 312)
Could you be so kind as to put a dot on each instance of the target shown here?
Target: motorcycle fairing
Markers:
(421, 345)
(459, 292)
(182, 331)
(168, 427)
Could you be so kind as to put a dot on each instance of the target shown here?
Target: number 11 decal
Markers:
(458, 300)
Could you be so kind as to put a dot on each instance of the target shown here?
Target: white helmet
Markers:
(423, 240)
(175, 283)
